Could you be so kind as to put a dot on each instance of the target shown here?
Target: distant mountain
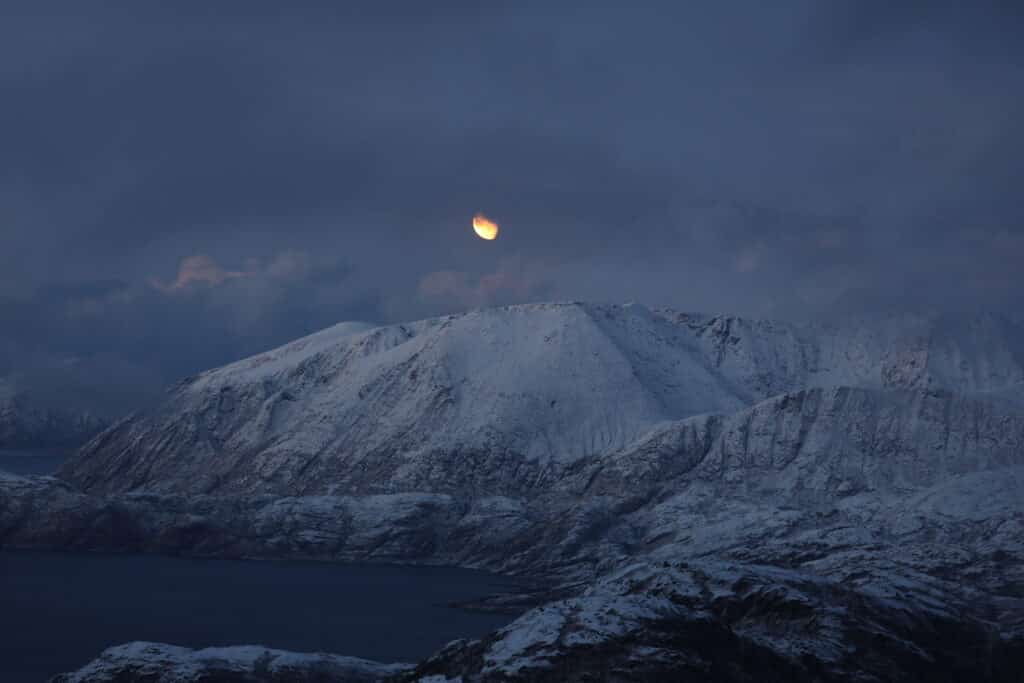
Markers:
(25, 423)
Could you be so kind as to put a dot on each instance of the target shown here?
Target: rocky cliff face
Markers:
(831, 502)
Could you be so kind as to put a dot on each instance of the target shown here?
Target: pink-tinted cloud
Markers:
(202, 270)
(198, 269)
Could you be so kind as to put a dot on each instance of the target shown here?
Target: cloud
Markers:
(198, 269)
(202, 270)
(747, 260)
(511, 282)
(290, 264)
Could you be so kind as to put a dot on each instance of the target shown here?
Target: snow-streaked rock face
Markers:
(499, 401)
(823, 443)
(834, 502)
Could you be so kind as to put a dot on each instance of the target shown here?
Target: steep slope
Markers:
(499, 401)
(969, 354)
(835, 441)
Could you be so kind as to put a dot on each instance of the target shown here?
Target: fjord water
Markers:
(61, 609)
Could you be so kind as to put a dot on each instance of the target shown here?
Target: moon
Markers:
(484, 227)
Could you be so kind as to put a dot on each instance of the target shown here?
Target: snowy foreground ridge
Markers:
(720, 499)
(156, 661)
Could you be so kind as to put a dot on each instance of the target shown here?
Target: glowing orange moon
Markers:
(485, 228)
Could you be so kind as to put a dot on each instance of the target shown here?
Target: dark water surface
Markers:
(32, 462)
(59, 610)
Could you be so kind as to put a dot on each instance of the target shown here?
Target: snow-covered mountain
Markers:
(502, 400)
(838, 502)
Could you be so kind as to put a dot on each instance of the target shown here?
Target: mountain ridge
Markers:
(536, 386)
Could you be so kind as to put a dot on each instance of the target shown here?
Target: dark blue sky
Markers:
(181, 187)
